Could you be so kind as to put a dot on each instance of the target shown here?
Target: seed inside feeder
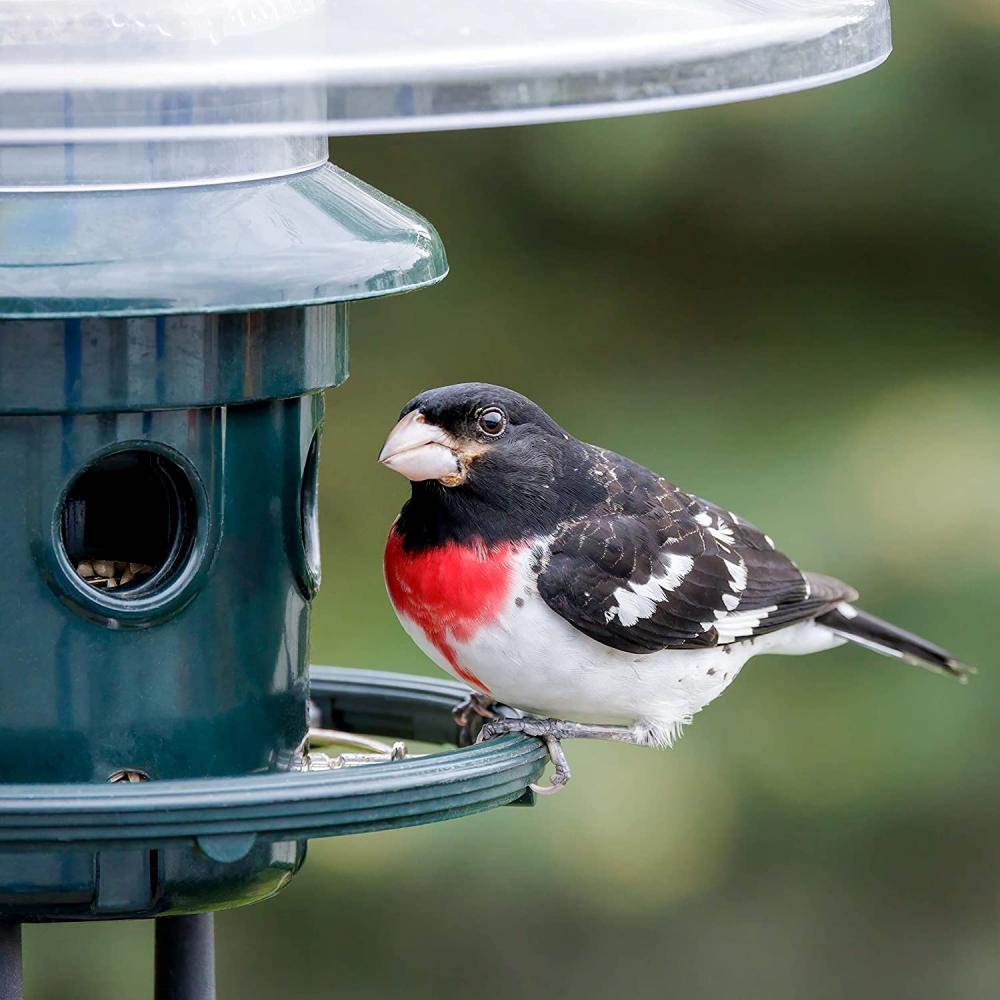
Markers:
(107, 574)
(127, 519)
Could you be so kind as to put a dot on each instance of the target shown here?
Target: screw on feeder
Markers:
(129, 775)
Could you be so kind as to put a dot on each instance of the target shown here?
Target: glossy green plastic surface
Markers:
(186, 443)
(200, 673)
(128, 364)
(313, 237)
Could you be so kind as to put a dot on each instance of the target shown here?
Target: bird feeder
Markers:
(176, 261)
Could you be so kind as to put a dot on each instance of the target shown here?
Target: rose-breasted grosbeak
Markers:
(573, 583)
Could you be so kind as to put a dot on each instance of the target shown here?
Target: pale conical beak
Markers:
(420, 451)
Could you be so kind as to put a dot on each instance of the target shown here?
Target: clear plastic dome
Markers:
(165, 156)
(99, 70)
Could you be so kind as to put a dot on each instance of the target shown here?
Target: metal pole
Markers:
(185, 958)
(11, 976)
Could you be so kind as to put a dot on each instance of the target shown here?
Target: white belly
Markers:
(532, 659)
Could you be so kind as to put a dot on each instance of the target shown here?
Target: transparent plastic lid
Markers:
(100, 70)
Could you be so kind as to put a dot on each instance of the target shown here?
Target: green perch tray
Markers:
(226, 817)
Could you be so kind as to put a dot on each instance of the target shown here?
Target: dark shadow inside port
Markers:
(128, 522)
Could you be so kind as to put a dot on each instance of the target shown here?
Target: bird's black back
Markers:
(602, 527)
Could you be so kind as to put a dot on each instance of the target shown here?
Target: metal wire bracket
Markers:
(372, 750)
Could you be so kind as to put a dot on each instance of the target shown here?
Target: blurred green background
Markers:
(789, 307)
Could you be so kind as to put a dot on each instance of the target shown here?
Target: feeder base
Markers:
(43, 886)
(97, 851)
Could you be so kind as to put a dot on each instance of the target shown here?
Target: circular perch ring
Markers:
(222, 813)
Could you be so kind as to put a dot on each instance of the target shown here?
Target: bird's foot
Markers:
(552, 732)
(470, 714)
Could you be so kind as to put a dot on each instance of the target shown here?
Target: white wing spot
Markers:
(740, 624)
(723, 534)
(738, 574)
(678, 567)
(637, 601)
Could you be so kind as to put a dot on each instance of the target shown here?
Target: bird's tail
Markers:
(867, 630)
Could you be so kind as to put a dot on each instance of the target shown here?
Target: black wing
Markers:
(677, 573)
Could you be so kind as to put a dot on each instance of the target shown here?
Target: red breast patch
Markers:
(450, 591)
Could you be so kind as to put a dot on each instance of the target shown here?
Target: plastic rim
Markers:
(94, 70)
(224, 813)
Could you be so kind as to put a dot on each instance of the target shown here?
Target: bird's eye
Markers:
(492, 421)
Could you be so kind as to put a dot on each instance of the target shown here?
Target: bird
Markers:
(584, 590)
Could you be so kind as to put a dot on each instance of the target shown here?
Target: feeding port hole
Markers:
(128, 522)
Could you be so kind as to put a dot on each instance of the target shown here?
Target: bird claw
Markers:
(469, 715)
(548, 730)
(560, 769)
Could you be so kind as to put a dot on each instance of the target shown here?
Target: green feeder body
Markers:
(198, 667)
(161, 410)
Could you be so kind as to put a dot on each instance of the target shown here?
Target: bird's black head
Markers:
(485, 462)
